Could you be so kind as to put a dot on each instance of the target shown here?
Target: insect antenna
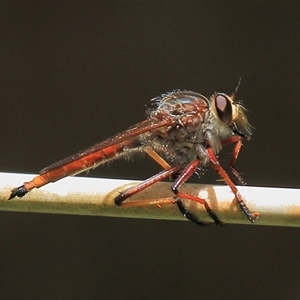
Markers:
(236, 89)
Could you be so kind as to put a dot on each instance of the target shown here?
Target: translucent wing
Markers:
(112, 144)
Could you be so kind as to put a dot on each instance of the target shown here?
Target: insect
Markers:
(184, 131)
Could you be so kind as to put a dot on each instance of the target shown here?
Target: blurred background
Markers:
(72, 74)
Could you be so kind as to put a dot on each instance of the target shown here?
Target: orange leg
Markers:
(145, 184)
(217, 167)
(236, 151)
(157, 158)
(183, 177)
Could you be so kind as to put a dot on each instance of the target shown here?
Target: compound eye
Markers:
(224, 108)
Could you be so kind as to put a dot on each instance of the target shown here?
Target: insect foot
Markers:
(191, 217)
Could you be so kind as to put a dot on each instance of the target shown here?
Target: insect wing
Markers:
(116, 140)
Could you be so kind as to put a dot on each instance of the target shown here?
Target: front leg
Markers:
(217, 167)
(235, 153)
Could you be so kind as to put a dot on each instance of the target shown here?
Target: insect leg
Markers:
(182, 178)
(217, 167)
(145, 184)
(235, 153)
(183, 209)
(157, 158)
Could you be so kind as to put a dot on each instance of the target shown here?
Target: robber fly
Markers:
(184, 131)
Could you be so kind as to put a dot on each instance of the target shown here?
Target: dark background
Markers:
(72, 74)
